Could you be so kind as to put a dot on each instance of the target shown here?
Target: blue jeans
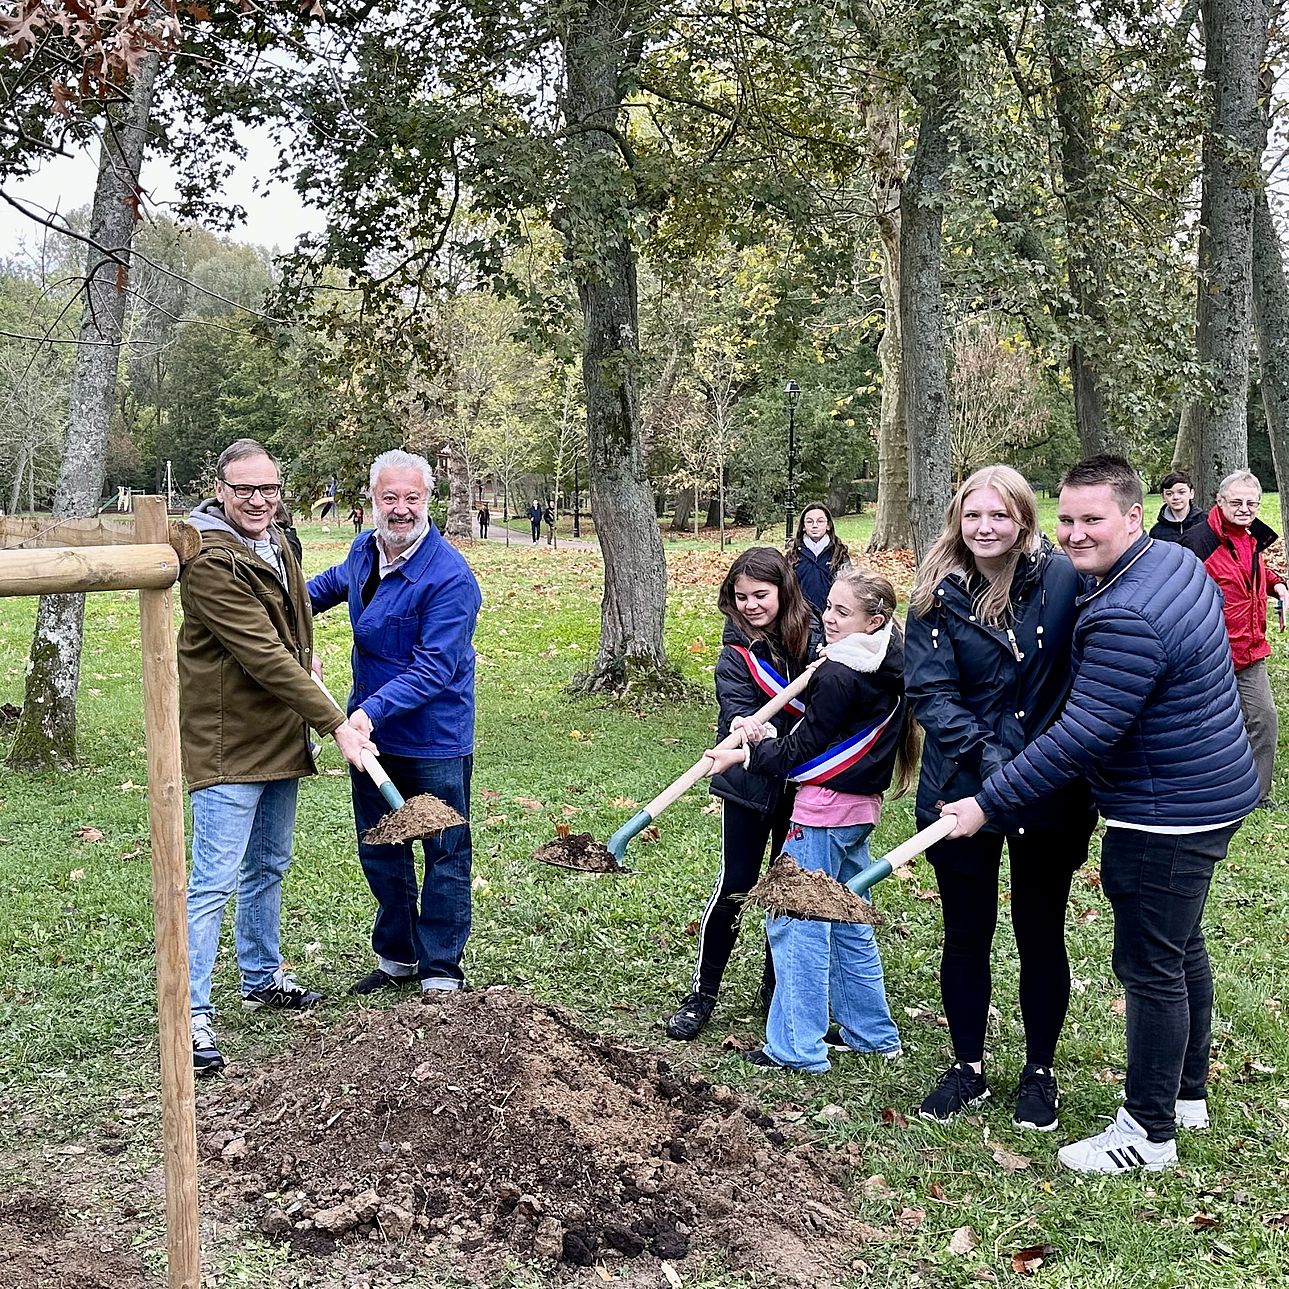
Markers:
(1157, 886)
(241, 841)
(422, 937)
(821, 963)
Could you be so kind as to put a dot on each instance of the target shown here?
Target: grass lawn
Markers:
(77, 1036)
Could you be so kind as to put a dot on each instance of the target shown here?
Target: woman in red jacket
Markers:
(1231, 545)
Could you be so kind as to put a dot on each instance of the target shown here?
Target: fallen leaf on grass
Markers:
(1009, 1162)
(602, 1273)
(624, 803)
(1028, 1260)
(131, 854)
(911, 1218)
(691, 928)
(528, 803)
(494, 819)
(490, 794)
(570, 811)
(875, 1187)
(1276, 1221)
(669, 1272)
(732, 1043)
(88, 833)
(1205, 1221)
(936, 1191)
(76, 874)
(893, 1116)
(1088, 915)
(713, 807)
(650, 834)
(963, 1240)
(1119, 1006)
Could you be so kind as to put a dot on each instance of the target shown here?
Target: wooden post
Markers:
(166, 819)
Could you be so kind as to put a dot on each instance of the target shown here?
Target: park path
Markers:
(497, 533)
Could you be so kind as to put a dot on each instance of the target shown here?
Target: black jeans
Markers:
(966, 872)
(744, 833)
(1157, 886)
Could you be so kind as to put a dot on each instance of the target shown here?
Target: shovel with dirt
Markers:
(407, 820)
(787, 890)
(581, 853)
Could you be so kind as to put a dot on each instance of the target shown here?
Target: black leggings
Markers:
(744, 833)
(966, 871)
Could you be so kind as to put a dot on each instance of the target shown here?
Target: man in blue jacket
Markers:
(413, 603)
(1153, 723)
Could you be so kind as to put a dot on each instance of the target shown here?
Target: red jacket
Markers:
(1244, 580)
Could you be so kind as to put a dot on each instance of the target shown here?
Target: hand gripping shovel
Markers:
(407, 820)
(790, 891)
(583, 854)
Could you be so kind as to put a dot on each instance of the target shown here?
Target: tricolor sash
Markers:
(768, 680)
(827, 765)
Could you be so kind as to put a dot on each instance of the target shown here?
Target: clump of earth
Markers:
(418, 817)
(481, 1128)
(580, 852)
(789, 889)
(43, 1246)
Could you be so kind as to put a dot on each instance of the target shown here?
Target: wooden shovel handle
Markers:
(920, 841)
(699, 769)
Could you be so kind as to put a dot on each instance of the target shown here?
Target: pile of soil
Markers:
(485, 1127)
(580, 852)
(420, 817)
(792, 891)
(42, 1247)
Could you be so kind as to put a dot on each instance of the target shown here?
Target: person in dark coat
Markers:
(485, 518)
(816, 553)
(535, 520)
(770, 635)
(988, 668)
(1179, 514)
(1153, 723)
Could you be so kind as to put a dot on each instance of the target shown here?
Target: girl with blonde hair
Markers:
(989, 634)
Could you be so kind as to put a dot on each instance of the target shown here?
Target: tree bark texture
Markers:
(1236, 33)
(922, 326)
(460, 497)
(599, 48)
(1084, 225)
(892, 527)
(1271, 326)
(46, 734)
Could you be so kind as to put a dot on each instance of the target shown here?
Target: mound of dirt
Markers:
(580, 852)
(42, 1247)
(418, 817)
(788, 889)
(489, 1127)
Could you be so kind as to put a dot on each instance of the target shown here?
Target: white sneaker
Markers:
(1122, 1147)
(1192, 1115)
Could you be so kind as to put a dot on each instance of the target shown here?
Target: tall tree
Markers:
(46, 734)
(1235, 41)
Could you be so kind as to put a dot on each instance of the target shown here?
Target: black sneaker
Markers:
(687, 1021)
(1036, 1099)
(762, 1060)
(283, 993)
(959, 1087)
(377, 980)
(206, 1059)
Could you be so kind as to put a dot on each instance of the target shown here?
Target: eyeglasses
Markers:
(1242, 505)
(245, 491)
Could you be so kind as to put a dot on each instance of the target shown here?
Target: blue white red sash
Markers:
(768, 680)
(827, 765)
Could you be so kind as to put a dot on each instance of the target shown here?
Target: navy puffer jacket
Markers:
(1153, 720)
(747, 677)
(979, 703)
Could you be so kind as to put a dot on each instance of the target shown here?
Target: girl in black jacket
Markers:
(854, 738)
(816, 554)
(990, 624)
(769, 635)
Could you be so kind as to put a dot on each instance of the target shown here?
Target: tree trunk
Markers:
(1271, 325)
(1236, 32)
(680, 520)
(713, 519)
(46, 733)
(599, 52)
(460, 507)
(922, 328)
(1084, 224)
(892, 528)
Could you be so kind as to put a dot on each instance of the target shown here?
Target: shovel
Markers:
(583, 854)
(407, 820)
(788, 890)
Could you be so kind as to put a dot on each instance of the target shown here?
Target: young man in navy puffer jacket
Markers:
(1153, 723)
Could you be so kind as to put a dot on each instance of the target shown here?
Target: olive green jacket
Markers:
(245, 694)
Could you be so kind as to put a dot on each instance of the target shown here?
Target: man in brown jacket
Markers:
(246, 701)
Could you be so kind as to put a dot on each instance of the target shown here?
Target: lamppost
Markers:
(791, 396)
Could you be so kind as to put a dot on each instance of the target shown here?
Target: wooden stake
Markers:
(166, 820)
